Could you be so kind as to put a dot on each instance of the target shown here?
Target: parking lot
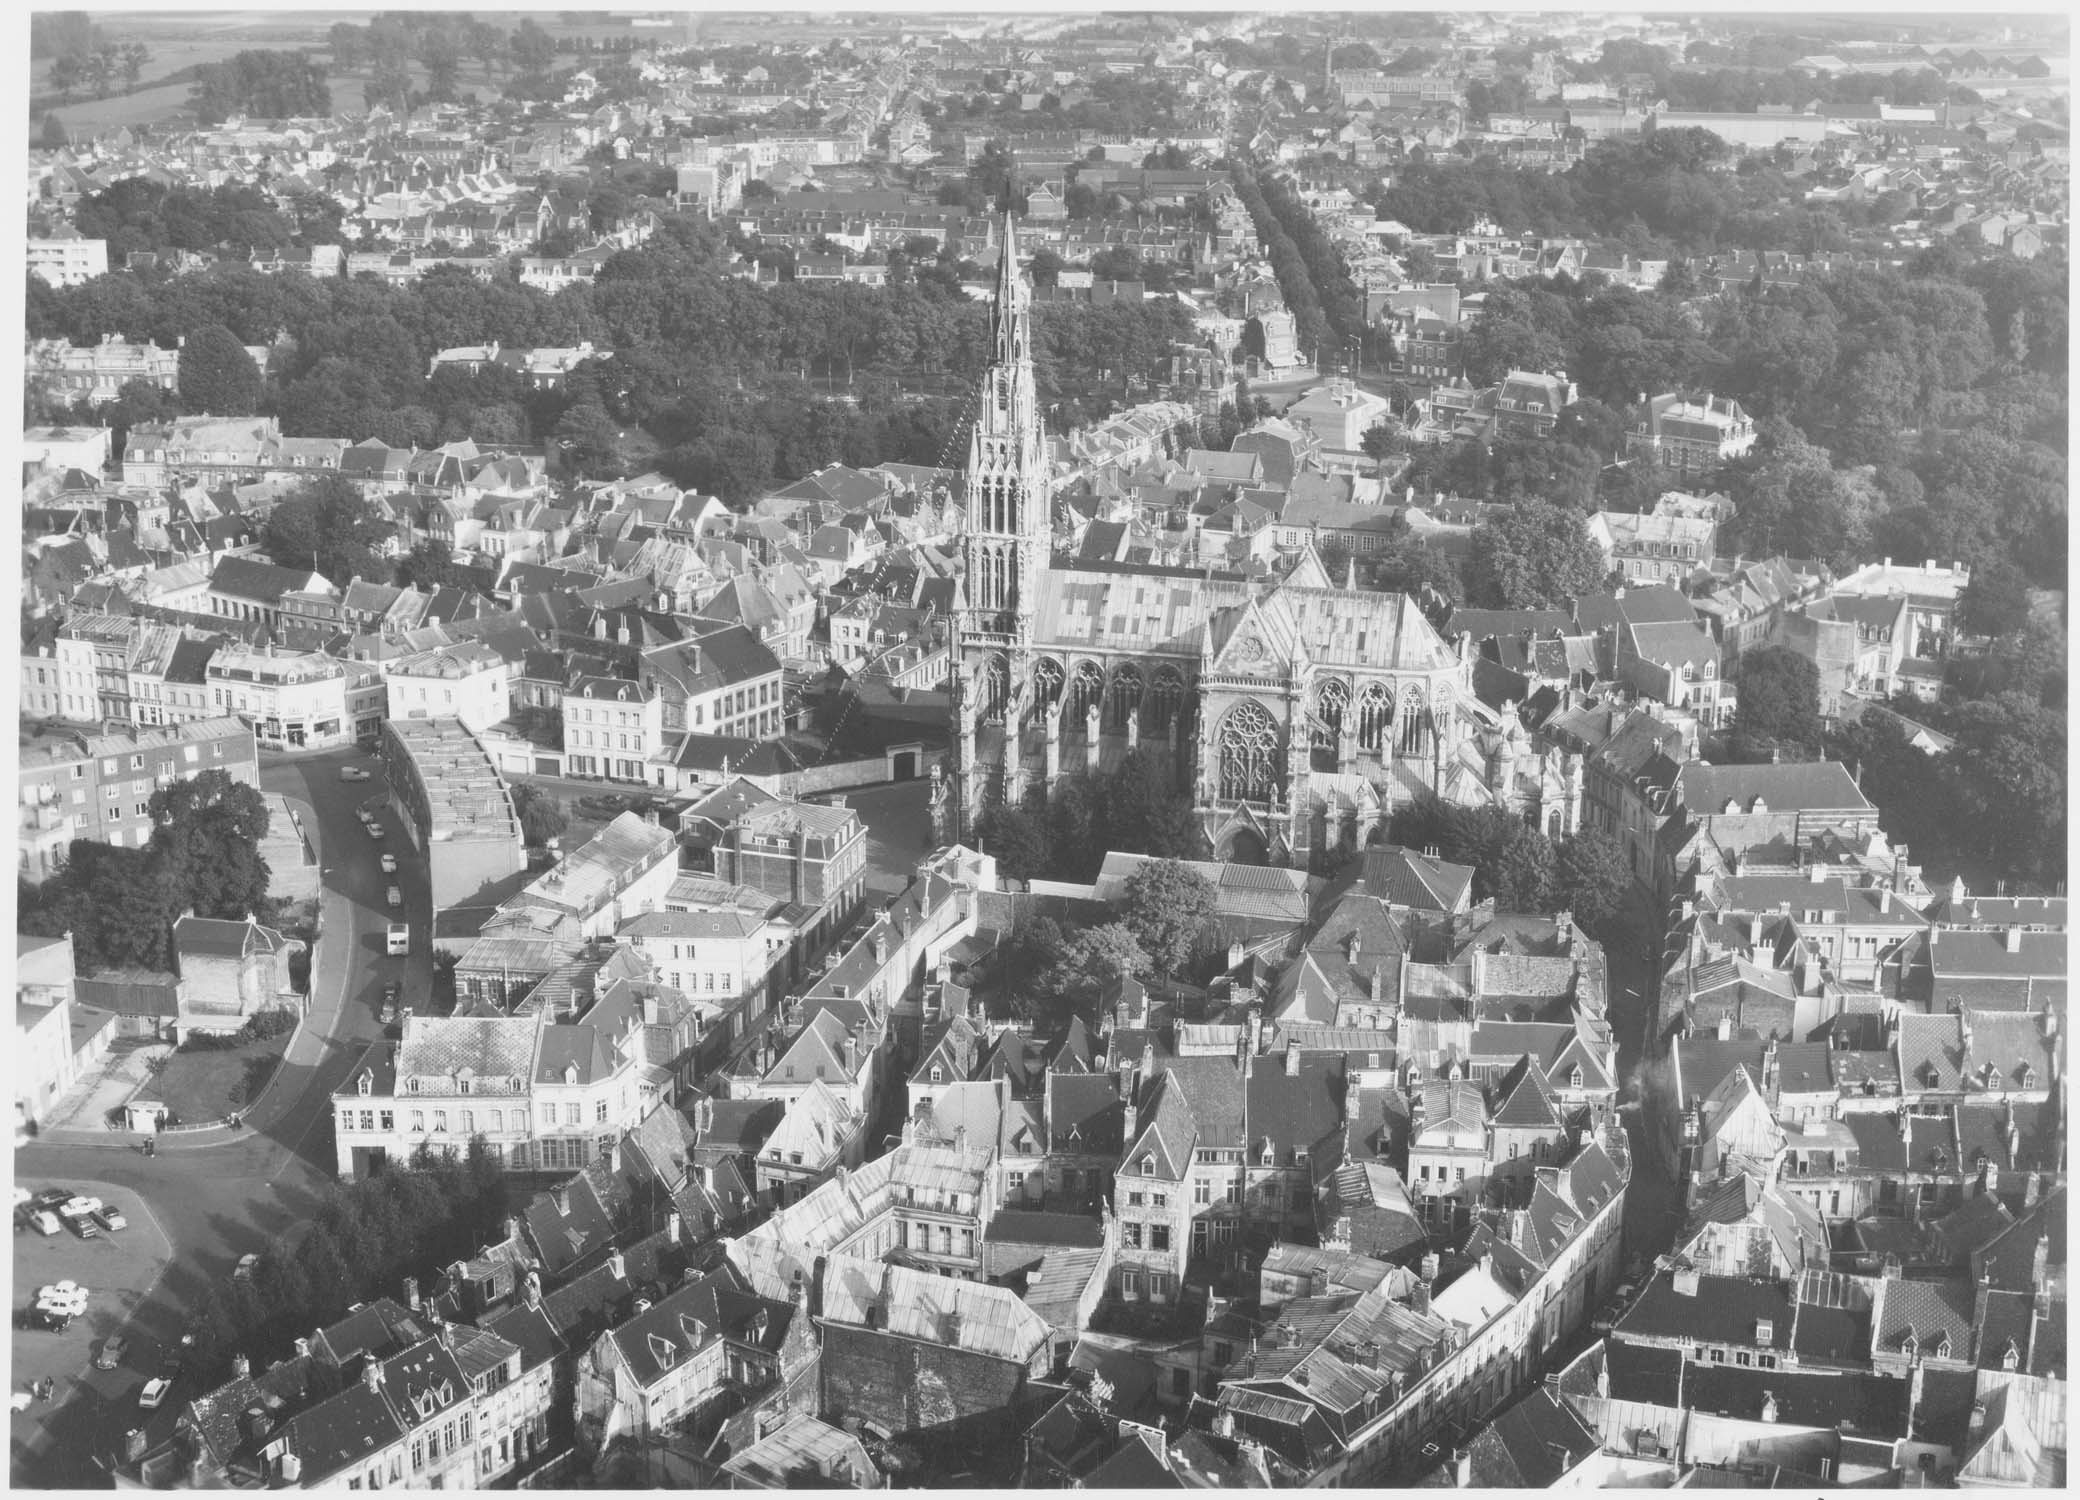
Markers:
(118, 1269)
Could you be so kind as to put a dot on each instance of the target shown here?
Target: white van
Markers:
(400, 938)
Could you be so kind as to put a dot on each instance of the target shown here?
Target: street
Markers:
(1652, 1210)
(218, 1194)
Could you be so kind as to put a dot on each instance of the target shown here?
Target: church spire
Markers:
(1011, 339)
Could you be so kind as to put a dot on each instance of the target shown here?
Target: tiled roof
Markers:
(486, 1048)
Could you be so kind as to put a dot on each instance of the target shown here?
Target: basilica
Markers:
(1298, 714)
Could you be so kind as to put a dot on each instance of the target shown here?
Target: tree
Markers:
(431, 565)
(51, 135)
(1096, 956)
(1590, 880)
(217, 376)
(1380, 440)
(115, 901)
(207, 831)
(1017, 836)
(533, 49)
(329, 527)
(1779, 704)
(67, 74)
(2008, 771)
(1168, 906)
(133, 56)
(1535, 556)
(541, 816)
(270, 84)
(1995, 601)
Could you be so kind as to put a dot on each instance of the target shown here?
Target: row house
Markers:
(543, 1095)
(1346, 1388)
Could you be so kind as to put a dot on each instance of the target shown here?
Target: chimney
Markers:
(1462, 1468)
(303, 1348)
(672, 1226)
(616, 1266)
(372, 1375)
(411, 1293)
(1769, 1407)
(2012, 939)
(1379, 984)
(2040, 1261)
(1292, 1060)
(241, 1367)
(881, 947)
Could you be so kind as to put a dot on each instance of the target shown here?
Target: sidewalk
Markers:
(84, 1108)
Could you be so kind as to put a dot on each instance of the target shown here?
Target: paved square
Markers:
(117, 1269)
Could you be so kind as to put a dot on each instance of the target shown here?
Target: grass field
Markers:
(183, 40)
(198, 1086)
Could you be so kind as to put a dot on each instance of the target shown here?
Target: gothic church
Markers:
(1299, 715)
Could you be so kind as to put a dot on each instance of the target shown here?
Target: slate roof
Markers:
(1089, 1105)
(1407, 877)
(1930, 1309)
(1813, 786)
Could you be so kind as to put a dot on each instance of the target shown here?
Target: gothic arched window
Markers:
(1248, 755)
(1375, 715)
(1087, 688)
(994, 688)
(1122, 699)
(1047, 683)
(1415, 727)
(1332, 705)
(1166, 699)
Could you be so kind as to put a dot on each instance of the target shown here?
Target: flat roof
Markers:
(465, 796)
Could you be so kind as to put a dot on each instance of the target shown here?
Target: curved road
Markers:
(219, 1194)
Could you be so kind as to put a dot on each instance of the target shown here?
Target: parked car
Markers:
(111, 1217)
(154, 1392)
(389, 864)
(394, 896)
(375, 829)
(51, 1197)
(388, 1013)
(112, 1352)
(352, 773)
(46, 1222)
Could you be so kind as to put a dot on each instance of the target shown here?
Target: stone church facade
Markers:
(1300, 715)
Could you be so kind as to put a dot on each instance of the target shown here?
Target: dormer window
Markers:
(1574, 1077)
(1148, 1166)
(1942, 1350)
(411, 1085)
(1908, 1345)
(365, 1085)
(938, 1074)
(2027, 1077)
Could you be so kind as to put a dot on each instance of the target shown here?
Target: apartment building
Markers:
(67, 262)
(295, 700)
(75, 785)
(612, 727)
(468, 682)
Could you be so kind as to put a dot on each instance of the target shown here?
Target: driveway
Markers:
(899, 831)
(217, 1194)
